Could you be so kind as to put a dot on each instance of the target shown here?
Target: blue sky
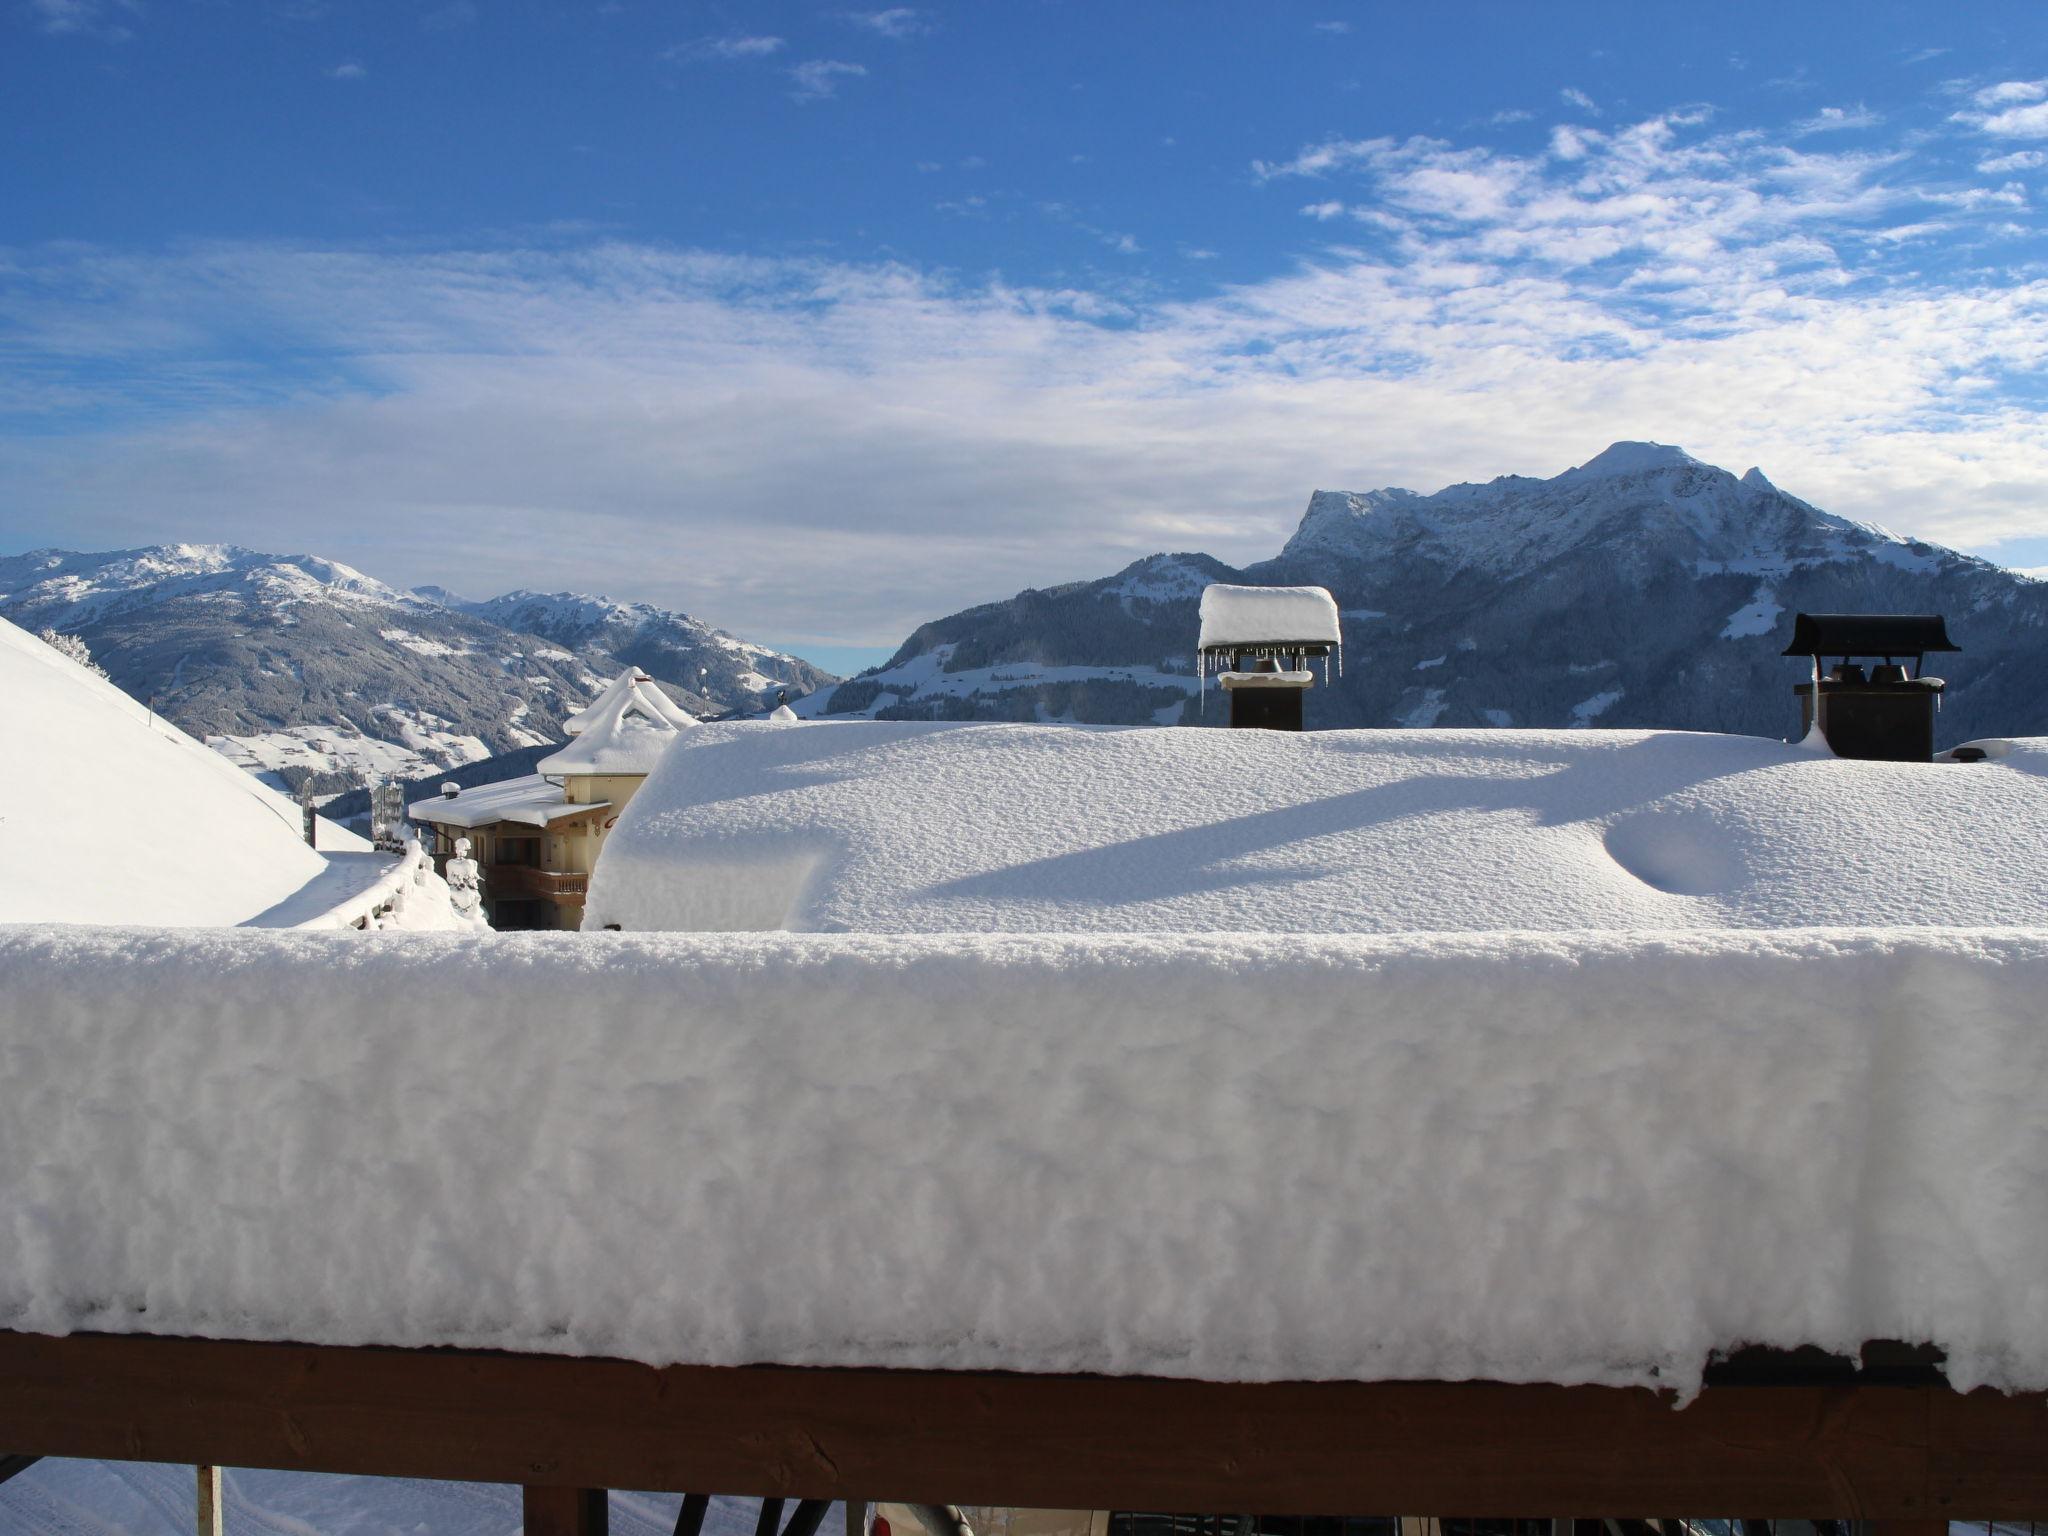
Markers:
(821, 320)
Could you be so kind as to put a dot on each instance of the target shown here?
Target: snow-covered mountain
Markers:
(293, 665)
(1642, 588)
(671, 646)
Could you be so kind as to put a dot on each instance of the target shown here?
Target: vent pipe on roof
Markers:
(1878, 715)
(1259, 641)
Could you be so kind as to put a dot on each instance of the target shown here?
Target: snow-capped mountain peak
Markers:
(1631, 458)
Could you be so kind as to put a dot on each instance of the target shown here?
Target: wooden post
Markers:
(209, 1500)
(770, 1521)
(14, 1466)
(856, 1517)
(690, 1517)
(565, 1511)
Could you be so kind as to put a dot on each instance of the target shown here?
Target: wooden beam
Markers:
(1842, 1449)
(552, 1510)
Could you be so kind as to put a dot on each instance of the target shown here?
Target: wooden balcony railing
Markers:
(523, 880)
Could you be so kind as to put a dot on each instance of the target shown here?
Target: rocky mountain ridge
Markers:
(1642, 588)
(295, 666)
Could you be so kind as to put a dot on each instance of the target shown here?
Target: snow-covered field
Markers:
(1570, 1157)
(913, 827)
(138, 1498)
(329, 749)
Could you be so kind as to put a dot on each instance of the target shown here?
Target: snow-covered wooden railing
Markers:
(1563, 1157)
(370, 907)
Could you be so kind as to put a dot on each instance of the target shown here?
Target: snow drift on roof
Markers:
(917, 827)
(1267, 615)
(111, 815)
(625, 730)
(1588, 1158)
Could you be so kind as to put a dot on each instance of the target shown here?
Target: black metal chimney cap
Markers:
(1869, 634)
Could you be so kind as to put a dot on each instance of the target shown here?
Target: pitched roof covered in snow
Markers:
(919, 827)
(529, 800)
(109, 814)
(1267, 616)
(625, 729)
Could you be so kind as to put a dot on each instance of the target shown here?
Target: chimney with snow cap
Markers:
(1881, 715)
(1259, 642)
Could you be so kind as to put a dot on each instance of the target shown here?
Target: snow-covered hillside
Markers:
(1642, 588)
(674, 647)
(295, 666)
(108, 815)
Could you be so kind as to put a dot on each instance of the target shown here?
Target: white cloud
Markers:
(450, 17)
(1572, 96)
(1832, 119)
(818, 79)
(731, 46)
(1324, 211)
(2019, 122)
(2024, 114)
(2007, 92)
(86, 18)
(1336, 28)
(896, 21)
(2018, 160)
(347, 71)
(1507, 115)
(777, 440)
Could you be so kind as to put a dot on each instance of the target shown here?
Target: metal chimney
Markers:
(1881, 714)
(1259, 642)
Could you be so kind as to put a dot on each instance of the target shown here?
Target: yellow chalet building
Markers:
(535, 839)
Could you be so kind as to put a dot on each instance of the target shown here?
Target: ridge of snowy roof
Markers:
(628, 685)
(626, 730)
(1235, 615)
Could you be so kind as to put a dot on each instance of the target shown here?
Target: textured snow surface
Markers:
(109, 815)
(1233, 615)
(1521, 1156)
(915, 827)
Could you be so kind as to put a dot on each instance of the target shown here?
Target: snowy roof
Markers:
(625, 730)
(531, 800)
(1267, 616)
(109, 814)
(920, 827)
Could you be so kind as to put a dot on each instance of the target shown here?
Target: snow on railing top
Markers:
(1526, 1157)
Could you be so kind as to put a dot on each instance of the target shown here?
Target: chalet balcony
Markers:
(511, 882)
